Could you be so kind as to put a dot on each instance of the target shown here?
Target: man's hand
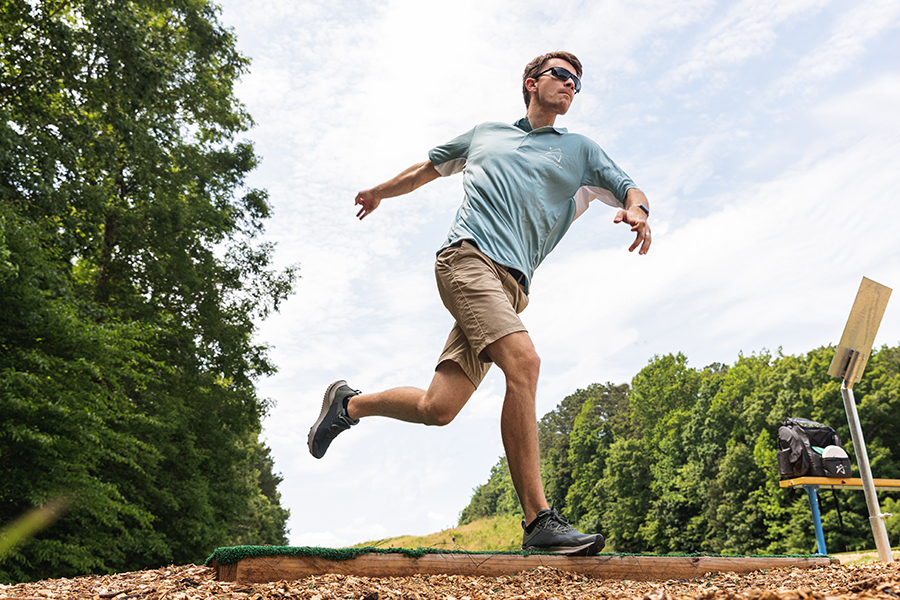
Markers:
(412, 178)
(369, 201)
(635, 216)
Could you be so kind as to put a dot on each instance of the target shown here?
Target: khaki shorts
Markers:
(484, 299)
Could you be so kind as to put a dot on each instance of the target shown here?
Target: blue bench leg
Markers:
(813, 497)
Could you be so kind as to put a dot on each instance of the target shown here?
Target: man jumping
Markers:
(525, 183)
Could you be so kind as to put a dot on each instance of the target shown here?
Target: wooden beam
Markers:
(642, 568)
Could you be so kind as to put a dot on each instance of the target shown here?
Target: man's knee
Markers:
(517, 358)
(437, 414)
(449, 391)
(527, 366)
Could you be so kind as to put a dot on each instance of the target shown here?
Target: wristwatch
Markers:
(644, 208)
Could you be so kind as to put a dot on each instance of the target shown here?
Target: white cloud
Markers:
(845, 44)
(345, 534)
(767, 211)
(747, 30)
(871, 108)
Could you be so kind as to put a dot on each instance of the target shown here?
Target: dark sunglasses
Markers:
(563, 75)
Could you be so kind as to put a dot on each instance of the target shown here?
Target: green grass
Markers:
(492, 534)
(505, 533)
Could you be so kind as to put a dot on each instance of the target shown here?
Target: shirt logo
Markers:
(554, 156)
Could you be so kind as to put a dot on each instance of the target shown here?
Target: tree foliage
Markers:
(684, 460)
(131, 272)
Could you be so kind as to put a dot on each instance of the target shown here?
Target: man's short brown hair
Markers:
(537, 65)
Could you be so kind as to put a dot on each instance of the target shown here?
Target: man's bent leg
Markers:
(449, 391)
(343, 406)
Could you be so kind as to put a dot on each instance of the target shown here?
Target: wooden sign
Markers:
(859, 334)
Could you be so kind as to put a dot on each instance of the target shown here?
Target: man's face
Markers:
(551, 93)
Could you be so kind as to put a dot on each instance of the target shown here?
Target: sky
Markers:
(765, 134)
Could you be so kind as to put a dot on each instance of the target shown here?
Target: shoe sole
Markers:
(584, 550)
(327, 401)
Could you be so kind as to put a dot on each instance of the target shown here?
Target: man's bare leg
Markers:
(517, 358)
(449, 391)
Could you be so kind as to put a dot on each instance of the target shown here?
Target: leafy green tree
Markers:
(133, 272)
(582, 420)
(626, 479)
(685, 460)
(63, 396)
(604, 414)
(662, 393)
(878, 399)
(664, 398)
(554, 430)
(263, 518)
(496, 497)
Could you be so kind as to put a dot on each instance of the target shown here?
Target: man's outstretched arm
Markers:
(414, 177)
(635, 216)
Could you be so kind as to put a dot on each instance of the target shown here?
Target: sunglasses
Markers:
(563, 75)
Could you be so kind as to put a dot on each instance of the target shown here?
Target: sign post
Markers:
(849, 362)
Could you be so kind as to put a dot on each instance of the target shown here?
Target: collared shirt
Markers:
(524, 187)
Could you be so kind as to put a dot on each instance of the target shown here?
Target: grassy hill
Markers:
(495, 533)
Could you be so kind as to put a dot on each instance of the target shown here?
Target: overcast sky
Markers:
(765, 133)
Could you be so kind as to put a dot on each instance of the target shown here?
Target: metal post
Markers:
(813, 497)
(876, 518)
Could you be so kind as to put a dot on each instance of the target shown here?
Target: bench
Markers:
(812, 485)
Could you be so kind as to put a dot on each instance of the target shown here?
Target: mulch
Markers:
(193, 582)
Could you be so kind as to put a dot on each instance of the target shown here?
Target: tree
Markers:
(581, 418)
(62, 396)
(604, 415)
(496, 497)
(685, 460)
(626, 479)
(132, 245)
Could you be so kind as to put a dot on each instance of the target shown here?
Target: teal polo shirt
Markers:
(525, 187)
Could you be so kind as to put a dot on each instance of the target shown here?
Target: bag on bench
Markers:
(797, 458)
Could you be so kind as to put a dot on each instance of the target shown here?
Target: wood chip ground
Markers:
(838, 582)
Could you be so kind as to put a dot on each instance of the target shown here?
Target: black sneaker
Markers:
(549, 532)
(333, 419)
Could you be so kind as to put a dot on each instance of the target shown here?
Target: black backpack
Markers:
(797, 458)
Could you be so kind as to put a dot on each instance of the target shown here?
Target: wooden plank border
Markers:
(641, 568)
